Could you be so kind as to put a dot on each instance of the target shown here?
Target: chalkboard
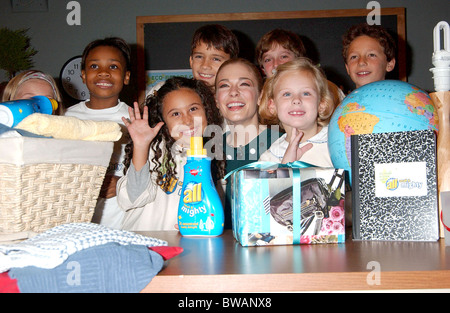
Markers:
(164, 41)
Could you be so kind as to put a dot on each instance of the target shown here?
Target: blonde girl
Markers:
(32, 83)
(297, 97)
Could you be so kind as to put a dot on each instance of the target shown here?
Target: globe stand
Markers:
(441, 101)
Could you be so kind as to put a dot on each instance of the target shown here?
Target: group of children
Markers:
(282, 119)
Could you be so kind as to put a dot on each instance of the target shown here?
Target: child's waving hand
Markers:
(141, 133)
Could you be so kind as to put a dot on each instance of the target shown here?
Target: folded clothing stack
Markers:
(82, 257)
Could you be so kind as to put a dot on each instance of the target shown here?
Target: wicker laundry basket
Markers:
(48, 182)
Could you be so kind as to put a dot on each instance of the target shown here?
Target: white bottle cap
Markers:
(6, 117)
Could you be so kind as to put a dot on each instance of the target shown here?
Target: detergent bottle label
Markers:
(200, 211)
(194, 195)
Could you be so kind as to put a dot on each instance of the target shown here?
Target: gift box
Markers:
(279, 204)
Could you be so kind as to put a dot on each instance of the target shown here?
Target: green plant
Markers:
(15, 51)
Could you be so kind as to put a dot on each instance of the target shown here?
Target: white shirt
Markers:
(107, 211)
(154, 208)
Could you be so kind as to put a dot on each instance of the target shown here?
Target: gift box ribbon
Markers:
(295, 166)
(267, 166)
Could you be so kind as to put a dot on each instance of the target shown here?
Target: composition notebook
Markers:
(394, 186)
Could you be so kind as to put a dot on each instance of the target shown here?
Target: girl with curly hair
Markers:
(149, 193)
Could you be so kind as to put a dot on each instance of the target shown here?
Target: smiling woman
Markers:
(237, 90)
(238, 86)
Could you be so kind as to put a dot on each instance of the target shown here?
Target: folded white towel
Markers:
(68, 127)
(52, 247)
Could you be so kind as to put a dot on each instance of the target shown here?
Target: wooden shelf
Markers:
(222, 265)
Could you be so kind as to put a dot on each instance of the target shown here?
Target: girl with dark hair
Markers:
(105, 70)
(149, 193)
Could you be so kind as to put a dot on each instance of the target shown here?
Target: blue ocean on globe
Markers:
(378, 107)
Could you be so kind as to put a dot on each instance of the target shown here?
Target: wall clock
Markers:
(71, 80)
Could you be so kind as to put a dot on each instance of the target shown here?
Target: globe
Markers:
(378, 107)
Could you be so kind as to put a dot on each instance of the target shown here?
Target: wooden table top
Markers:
(221, 264)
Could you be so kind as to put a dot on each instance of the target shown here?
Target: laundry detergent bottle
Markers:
(200, 212)
(14, 111)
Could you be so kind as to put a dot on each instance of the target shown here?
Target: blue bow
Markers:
(267, 166)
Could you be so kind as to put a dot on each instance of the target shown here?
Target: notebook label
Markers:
(401, 179)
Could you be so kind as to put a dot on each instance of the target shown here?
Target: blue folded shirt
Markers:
(108, 268)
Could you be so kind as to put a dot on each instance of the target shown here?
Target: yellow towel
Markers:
(67, 127)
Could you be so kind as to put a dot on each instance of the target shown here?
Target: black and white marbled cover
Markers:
(413, 218)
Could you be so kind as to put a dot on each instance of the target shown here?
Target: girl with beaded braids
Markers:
(149, 193)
